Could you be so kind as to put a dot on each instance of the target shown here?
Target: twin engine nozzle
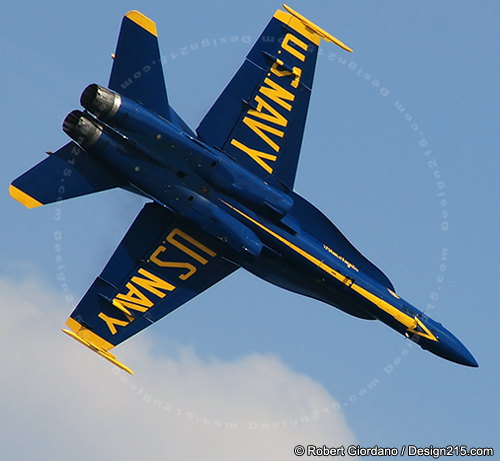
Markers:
(99, 101)
(82, 128)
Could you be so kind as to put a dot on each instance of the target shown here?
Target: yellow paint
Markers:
(256, 155)
(135, 296)
(294, 247)
(112, 323)
(137, 299)
(411, 323)
(271, 114)
(89, 336)
(128, 304)
(23, 197)
(101, 352)
(310, 27)
(115, 361)
(298, 26)
(259, 128)
(286, 45)
(152, 283)
(408, 321)
(270, 95)
(121, 307)
(171, 239)
(297, 71)
(143, 21)
(180, 265)
(280, 73)
(277, 93)
(426, 334)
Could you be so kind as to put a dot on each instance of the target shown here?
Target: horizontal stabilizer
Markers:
(69, 172)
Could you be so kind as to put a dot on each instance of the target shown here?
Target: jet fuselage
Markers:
(258, 224)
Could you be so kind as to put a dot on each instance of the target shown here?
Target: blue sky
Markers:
(400, 151)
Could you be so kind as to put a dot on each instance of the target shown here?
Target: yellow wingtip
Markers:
(318, 30)
(23, 197)
(143, 21)
(105, 354)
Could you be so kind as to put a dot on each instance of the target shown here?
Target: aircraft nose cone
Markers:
(458, 353)
(450, 348)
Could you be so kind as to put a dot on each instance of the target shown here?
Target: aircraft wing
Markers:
(259, 118)
(159, 265)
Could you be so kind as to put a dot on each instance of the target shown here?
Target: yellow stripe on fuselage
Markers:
(411, 323)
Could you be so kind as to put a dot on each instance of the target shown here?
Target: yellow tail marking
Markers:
(143, 21)
(103, 353)
(23, 197)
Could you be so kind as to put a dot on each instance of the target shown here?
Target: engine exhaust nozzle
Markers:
(81, 128)
(100, 101)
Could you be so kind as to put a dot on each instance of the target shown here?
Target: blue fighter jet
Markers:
(219, 198)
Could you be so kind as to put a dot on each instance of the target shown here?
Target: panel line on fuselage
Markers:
(411, 323)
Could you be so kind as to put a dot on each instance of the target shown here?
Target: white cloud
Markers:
(60, 402)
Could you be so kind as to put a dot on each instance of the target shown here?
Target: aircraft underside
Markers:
(220, 197)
